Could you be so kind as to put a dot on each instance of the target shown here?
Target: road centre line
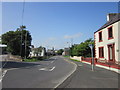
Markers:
(52, 61)
(47, 69)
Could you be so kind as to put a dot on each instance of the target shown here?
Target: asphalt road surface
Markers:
(58, 72)
(44, 74)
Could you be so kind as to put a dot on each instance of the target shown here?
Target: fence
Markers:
(102, 62)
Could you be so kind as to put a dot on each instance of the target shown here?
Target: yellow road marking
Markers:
(69, 61)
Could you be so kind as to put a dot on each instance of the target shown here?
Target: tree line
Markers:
(17, 41)
(82, 49)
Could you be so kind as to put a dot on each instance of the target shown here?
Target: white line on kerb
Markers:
(3, 74)
(69, 74)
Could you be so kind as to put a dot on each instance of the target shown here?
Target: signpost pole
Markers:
(91, 47)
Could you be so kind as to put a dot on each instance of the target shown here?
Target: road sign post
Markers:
(91, 47)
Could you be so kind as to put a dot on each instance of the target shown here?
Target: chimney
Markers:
(110, 16)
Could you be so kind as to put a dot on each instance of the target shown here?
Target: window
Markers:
(100, 36)
(101, 52)
(110, 33)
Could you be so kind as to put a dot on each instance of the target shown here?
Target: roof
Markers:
(116, 18)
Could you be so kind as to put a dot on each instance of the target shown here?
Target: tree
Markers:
(16, 41)
(60, 51)
(82, 49)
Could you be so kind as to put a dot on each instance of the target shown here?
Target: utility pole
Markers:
(21, 29)
(25, 44)
(71, 42)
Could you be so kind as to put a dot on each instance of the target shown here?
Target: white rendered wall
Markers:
(105, 42)
(119, 41)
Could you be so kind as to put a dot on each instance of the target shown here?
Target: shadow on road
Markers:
(49, 59)
(13, 64)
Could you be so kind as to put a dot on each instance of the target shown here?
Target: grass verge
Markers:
(67, 56)
(75, 60)
(30, 60)
(35, 59)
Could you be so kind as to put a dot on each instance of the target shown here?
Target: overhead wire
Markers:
(23, 11)
(21, 27)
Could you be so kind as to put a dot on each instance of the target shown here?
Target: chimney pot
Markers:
(110, 16)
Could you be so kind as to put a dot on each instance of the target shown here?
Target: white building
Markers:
(107, 40)
(66, 51)
(2, 46)
(37, 52)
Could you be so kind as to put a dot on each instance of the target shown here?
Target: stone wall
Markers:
(10, 58)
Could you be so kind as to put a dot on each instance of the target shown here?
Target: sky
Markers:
(57, 24)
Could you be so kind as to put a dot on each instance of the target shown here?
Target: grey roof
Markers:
(116, 18)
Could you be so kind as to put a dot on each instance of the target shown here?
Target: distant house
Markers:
(66, 51)
(107, 40)
(37, 51)
(2, 46)
(51, 51)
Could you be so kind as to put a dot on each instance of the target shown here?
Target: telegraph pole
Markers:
(21, 29)
(25, 44)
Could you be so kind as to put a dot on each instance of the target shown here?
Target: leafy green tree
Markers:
(60, 51)
(82, 49)
(16, 41)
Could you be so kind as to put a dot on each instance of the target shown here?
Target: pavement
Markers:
(84, 77)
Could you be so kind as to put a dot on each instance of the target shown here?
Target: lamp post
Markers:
(91, 47)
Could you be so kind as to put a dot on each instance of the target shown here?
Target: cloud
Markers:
(73, 36)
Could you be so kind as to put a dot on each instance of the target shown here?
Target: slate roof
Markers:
(116, 18)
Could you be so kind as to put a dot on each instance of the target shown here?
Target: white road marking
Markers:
(52, 61)
(4, 64)
(52, 69)
(68, 75)
(42, 69)
(79, 65)
(12, 68)
(3, 74)
(47, 69)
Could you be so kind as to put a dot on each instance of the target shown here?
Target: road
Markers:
(58, 72)
(44, 74)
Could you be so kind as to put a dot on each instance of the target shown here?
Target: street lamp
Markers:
(91, 47)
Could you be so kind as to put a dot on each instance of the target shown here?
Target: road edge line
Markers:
(68, 75)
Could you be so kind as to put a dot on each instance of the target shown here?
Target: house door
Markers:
(111, 52)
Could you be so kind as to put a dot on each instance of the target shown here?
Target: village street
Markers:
(57, 72)
(44, 74)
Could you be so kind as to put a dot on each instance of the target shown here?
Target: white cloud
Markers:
(73, 36)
